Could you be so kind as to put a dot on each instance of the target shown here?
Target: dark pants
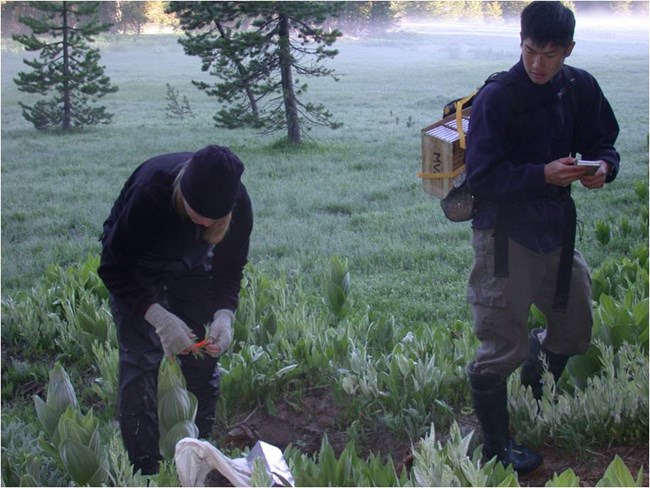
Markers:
(140, 357)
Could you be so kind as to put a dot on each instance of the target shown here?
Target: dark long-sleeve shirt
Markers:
(511, 172)
(146, 242)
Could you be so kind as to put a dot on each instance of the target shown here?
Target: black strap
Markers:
(563, 284)
(565, 267)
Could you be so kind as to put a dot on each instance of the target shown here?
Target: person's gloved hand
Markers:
(175, 336)
(220, 335)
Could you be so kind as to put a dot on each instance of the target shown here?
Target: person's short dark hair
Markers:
(548, 23)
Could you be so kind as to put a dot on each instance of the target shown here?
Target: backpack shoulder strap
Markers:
(516, 109)
(570, 89)
(515, 101)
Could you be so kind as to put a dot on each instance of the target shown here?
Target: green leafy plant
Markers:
(325, 469)
(337, 287)
(23, 461)
(615, 323)
(80, 448)
(603, 232)
(617, 276)
(612, 406)
(564, 479)
(617, 474)
(105, 386)
(60, 396)
(176, 408)
(88, 321)
(72, 439)
(450, 464)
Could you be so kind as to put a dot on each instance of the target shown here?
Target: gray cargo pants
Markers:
(501, 306)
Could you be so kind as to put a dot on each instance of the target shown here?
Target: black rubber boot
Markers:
(533, 368)
(489, 393)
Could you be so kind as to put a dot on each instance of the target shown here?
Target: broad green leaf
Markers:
(538, 315)
(585, 366)
(286, 370)
(640, 313)
(566, 478)
(270, 324)
(510, 480)
(404, 364)
(179, 431)
(617, 474)
(170, 375)
(639, 477)
(79, 460)
(47, 415)
(174, 406)
(49, 448)
(623, 333)
(70, 429)
(60, 392)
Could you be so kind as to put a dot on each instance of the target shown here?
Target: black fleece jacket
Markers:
(147, 244)
(511, 172)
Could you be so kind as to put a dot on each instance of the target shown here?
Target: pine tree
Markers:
(66, 68)
(258, 50)
(177, 109)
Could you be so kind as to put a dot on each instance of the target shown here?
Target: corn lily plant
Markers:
(176, 408)
(74, 439)
(60, 395)
(337, 287)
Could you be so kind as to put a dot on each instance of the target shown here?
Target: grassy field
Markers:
(396, 363)
(353, 192)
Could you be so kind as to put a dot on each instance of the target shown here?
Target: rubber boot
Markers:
(489, 393)
(533, 368)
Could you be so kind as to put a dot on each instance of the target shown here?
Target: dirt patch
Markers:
(303, 422)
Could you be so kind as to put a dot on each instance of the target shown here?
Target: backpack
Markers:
(459, 205)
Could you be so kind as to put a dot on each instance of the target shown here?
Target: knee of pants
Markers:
(138, 382)
(503, 347)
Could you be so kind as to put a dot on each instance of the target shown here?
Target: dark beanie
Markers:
(210, 183)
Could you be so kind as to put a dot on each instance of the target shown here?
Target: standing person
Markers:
(174, 248)
(520, 169)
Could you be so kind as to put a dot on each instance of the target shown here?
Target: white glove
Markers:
(175, 335)
(220, 335)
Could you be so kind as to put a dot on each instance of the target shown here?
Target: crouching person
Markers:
(174, 248)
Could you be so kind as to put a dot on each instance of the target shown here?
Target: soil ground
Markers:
(302, 423)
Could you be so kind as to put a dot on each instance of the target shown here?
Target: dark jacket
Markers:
(506, 165)
(148, 246)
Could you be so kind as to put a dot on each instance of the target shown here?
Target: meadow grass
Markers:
(351, 192)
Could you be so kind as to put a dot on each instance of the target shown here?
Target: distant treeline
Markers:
(131, 17)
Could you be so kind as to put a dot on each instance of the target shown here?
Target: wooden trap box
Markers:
(442, 157)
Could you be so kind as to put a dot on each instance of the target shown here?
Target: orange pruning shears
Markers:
(201, 344)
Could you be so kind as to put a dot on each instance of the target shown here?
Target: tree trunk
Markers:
(67, 109)
(288, 93)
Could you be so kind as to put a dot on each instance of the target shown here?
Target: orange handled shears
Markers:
(201, 344)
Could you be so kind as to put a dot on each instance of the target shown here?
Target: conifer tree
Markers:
(66, 68)
(260, 51)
